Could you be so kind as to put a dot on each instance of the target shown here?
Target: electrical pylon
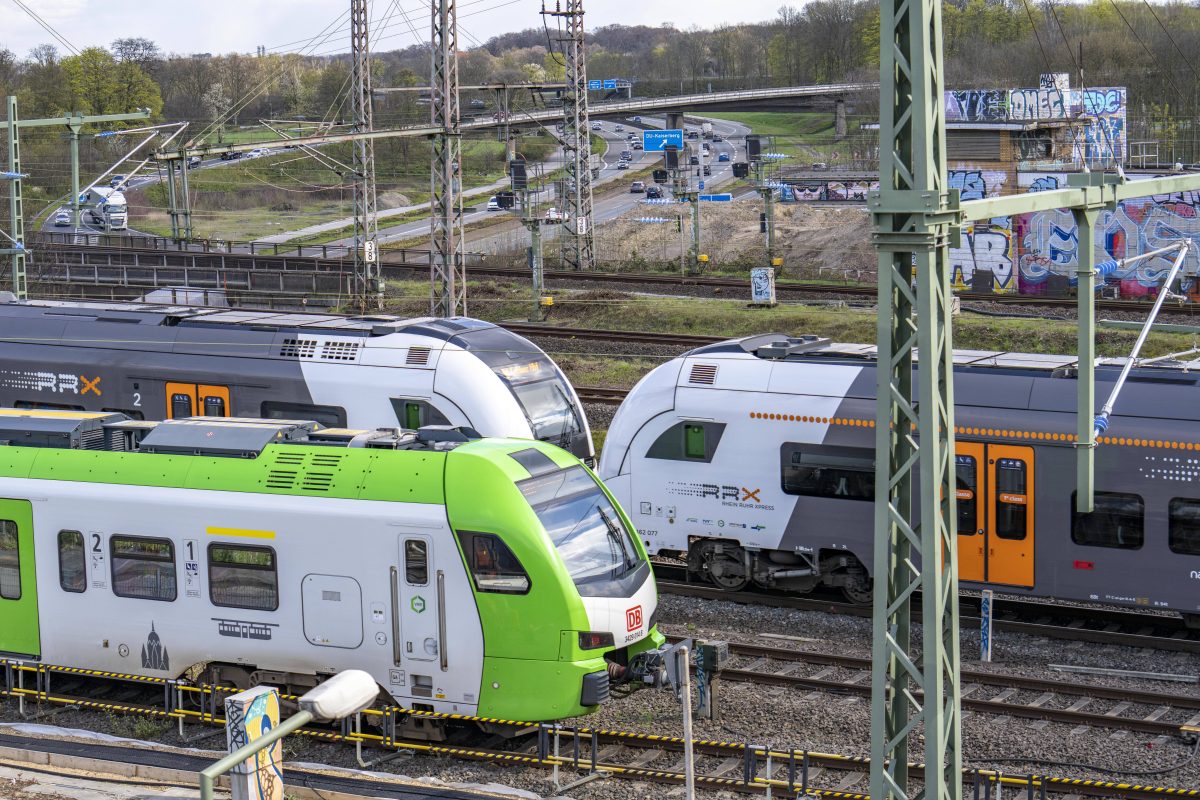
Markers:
(447, 270)
(368, 288)
(578, 242)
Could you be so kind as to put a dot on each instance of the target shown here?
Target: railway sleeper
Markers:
(732, 567)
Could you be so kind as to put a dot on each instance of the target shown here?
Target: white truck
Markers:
(105, 206)
(706, 130)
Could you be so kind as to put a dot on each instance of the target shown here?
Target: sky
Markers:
(223, 26)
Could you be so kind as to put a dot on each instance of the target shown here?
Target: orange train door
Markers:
(1010, 515)
(196, 400)
(971, 477)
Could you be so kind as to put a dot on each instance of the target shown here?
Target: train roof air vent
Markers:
(340, 351)
(417, 356)
(298, 348)
(703, 373)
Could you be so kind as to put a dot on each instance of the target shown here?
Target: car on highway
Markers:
(707, 169)
(255, 153)
(636, 146)
(717, 137)
(62, 217)
(637, 120)
(193, 162)
(622, 165)
(722, 156)
(637, 187)
(116, 180)
(554, 215)
(595, 126)
(693, 135)
(619, 129)
(694, 160)
(477, 103)
(626, 154)
(653, 193)
(493, 203)
(230, 156)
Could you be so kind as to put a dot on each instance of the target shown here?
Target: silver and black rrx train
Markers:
(754, 459)
(156, 362)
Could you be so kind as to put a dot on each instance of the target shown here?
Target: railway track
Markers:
(1151, 713)
(628, 755)
(113, 258)
(1110, 626)
(601, 395)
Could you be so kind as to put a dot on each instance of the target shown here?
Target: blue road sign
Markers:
(717, 198)
(701, 184)
(595, 85)
(610, 83)
(654, 141)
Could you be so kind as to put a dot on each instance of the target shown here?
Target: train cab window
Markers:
(413, 414)
(1117, 521)
(72, 567)
(10, 561)
(966, 472)
(143, 568)
(240, 576)
(845, 473)
(1184, 526)
(214, 406)
(181, 405)
(416, 562)
(688, 441)
(493, 566)
(329, 416)
(1011, 499)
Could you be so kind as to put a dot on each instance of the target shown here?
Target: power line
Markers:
(46, 26)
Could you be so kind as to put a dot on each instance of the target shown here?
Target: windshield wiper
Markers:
(614, 533)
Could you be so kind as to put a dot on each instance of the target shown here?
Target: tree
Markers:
(138, 50)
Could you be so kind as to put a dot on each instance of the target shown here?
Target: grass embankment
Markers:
(807, 135)
(288, 190)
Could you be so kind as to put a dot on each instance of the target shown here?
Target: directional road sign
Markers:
(717, 198)
(610, 83)
(654, 141)
(595, 86)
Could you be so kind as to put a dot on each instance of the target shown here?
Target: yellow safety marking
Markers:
(48, 413)
(244, 533)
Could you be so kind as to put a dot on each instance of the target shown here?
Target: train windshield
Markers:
(540, 389)
(587, 531)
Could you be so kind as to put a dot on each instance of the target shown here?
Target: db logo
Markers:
(633, 618)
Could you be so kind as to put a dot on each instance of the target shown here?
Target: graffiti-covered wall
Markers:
(987, 244)
(1098, 114)
(1047, 243)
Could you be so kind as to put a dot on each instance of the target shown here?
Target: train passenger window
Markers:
(846, 473)
(966, 471)
(688, 441)
(143, 568)
(329, 416)
(413, 414)
(181, 405)
(1011, 499)
(416, 562)
(10, 561)
(72, 567)
(1184, 526)
(1117, 521)
(240, 576)
(493, 566)
(214, 406)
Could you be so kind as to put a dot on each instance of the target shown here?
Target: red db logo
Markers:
(633, 618)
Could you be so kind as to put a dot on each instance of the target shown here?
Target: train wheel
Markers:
(724, 564)
(857, 588)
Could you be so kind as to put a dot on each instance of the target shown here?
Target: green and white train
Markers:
(485, 577)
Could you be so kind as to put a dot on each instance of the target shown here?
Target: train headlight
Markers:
(593, 640)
